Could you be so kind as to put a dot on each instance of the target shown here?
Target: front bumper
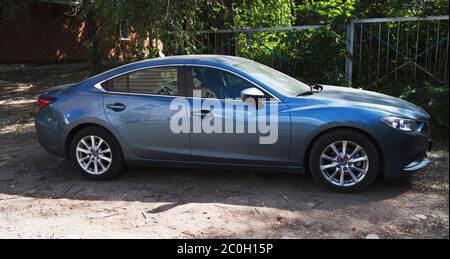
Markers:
(418, 165)
(404, 153)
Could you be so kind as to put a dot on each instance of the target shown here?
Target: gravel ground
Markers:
(40, 196)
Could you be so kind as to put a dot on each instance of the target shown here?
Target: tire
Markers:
(98, 168)
(326, 165)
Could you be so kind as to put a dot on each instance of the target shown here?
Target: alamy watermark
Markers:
(226, 116)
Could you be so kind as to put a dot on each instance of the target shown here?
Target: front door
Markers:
(238, 137)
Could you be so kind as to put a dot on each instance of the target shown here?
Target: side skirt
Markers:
(217, 166)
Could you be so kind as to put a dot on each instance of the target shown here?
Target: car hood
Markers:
(371, 100)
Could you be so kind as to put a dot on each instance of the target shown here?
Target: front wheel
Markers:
(344, 160)
(95, 153)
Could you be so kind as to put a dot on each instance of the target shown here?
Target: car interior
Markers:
(218, 84)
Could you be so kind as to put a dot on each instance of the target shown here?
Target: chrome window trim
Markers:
(99, 87)
(99, 84)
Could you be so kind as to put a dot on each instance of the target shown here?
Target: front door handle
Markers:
(117, 107)
(201, 113)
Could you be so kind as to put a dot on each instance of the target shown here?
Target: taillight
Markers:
(44, 101)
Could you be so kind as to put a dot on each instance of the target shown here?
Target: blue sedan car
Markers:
(131, 115)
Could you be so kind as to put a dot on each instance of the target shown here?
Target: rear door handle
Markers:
(117, 107)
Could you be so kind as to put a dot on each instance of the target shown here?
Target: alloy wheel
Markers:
(344, 163)
(94, 155)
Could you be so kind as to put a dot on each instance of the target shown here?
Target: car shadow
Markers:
(39, 175)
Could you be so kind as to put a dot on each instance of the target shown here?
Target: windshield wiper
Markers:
(316, 87)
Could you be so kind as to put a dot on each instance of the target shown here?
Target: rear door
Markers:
(138, 107)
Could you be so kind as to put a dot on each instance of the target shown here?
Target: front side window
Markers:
(215, 83)
(158, 81)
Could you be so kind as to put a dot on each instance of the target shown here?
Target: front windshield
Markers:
(273, 78)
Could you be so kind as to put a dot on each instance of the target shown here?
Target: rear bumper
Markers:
(48, 132)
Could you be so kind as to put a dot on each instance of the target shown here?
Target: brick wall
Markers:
(41, 33)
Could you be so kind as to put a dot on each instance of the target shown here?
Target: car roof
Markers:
(200, 59)
(211, 60)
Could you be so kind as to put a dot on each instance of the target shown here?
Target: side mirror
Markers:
(253, 92)
(255, 95)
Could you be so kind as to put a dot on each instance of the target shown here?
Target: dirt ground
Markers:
(40, 196)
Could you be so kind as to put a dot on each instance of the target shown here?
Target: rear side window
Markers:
(158, 81)
(119, 84)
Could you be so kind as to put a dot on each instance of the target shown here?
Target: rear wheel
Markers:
(95, 153)
(344, 160)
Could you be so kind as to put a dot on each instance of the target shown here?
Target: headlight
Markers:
(400, 123)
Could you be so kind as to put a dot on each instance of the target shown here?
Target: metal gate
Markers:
(379, 50)
(397, 49)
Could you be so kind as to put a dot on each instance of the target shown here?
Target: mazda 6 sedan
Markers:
(231, 113)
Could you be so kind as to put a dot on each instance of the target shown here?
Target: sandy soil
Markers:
(40, 196)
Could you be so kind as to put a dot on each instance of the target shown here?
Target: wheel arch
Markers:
(359, 130)
(78, 128)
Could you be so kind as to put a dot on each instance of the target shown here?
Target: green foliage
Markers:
(214, 15)
(263, 13)
(311, 63)
(265, 47)
(319, 12)
(302, 54)
(398, 8)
